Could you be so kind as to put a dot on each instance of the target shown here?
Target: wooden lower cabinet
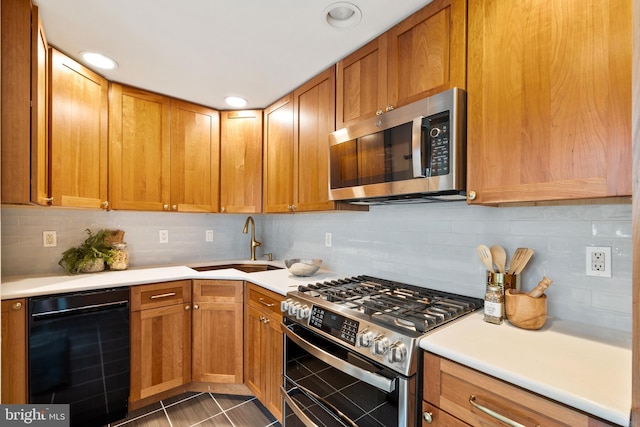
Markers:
(449, 388)
(264, 347)
(217, 331)
(160, 338)
(14, 351)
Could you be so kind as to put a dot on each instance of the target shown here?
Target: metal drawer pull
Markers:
(263, 302)
(493, 414)
(168, 294)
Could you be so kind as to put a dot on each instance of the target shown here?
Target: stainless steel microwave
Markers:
(413, 153)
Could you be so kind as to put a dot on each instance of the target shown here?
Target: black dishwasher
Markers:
(79, 354)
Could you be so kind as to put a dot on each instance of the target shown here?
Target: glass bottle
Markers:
(120, 256)
(494, 305)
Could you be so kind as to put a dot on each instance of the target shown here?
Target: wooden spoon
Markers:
(485, 256)
(499, 256)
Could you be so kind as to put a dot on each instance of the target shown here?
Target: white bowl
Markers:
(303, 267)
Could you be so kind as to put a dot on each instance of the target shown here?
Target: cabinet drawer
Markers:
(160, 294)
(460, 391)
(217, 290)
(433, 416)
(264, 300)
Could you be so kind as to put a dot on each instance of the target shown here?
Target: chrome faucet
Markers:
(254, 242)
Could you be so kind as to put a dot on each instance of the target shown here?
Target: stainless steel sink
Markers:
(247, 268)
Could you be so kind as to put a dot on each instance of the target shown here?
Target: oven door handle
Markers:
(305, 420)
(369, 377)
(296, 409)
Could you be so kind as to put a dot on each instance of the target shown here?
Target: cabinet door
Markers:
(241, 161)
(39, 110)
(139, 149)
(278, 156)
(14, 351)
(315, 113)
(217, 344)
(427, 52)
(254, 364)
(195, 158)
(16, 98)
(361, 80)
(273, 348)
(160, 350)
(542, 125)
(78, 133)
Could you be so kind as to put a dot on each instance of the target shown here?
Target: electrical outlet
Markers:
(209, 236)
(164, 236)
(327, 239)
(49, 239)
(598, 261)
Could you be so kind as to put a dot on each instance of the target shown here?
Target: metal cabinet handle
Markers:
(168, 294)
(105, 204)
(472, 195)
(389, 108)
(379, 112)
(266, 320)
(428, 417)
(48, 199)
(263, 302)
(165, 207)
(17, 305)
(187, 307)
(494, 414)
(196, 306)
(174, 207)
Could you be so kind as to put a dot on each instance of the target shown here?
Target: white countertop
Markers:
(587, 373)
(280, 281)
(562, 361)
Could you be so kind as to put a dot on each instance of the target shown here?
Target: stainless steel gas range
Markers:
(351, 349)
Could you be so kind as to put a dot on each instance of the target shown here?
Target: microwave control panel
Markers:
(437, 150)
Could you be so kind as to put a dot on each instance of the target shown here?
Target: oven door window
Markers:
(328, 396)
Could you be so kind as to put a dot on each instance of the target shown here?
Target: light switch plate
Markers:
(209, 236)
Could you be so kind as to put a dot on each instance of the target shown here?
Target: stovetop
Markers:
(376, 316)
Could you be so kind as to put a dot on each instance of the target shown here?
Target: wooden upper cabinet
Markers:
(314, 119)
(195, 158)
(39, 121)
(78, 117)
(16, 100)
(549, 100)
(362, 83)
(139, 149)
(422, 55)
(241, 161)
(427, 52)
(278, 156)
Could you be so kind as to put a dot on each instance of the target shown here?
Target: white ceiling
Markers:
(204, 50)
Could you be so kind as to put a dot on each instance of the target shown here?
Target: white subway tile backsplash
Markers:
(431, 245)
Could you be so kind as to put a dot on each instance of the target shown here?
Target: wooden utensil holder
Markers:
(525, 311)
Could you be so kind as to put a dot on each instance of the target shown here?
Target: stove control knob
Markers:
(397, 352)
(284, 305)
(293, 308)
(303, 312)
(380, 345)
(364, 338)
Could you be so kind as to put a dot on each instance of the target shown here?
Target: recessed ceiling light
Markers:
(235, 101)
(342, 15)
(98, 60)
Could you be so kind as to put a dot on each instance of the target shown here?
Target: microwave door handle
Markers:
(416, 147)
(368, 377)
(296, 409)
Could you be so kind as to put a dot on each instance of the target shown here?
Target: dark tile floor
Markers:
(201, 409)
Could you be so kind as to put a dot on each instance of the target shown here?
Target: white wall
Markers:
(431, 245)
